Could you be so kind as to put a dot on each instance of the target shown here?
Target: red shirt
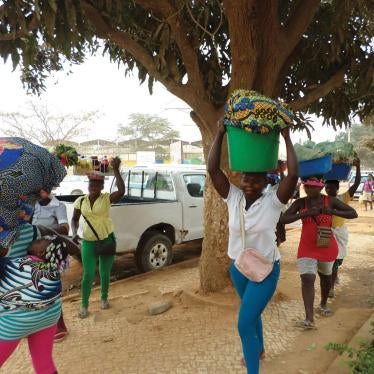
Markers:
(308, 241)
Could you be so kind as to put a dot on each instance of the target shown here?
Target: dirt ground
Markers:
(198, 334)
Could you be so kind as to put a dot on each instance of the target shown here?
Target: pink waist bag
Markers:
(253, 265)
(250, 263)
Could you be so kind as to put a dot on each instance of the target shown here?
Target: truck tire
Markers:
(154, 251)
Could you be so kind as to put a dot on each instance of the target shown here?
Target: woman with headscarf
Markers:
(318, 248)
(25, 168)
(98, 230)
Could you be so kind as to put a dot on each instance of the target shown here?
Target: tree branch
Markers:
(125, 41)
(179, 32)
(322, 90)
(298, 22)
(33, 25)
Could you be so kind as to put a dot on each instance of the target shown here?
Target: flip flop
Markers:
(306, 325)
(83, 313)
(60, 336)
(324, 311)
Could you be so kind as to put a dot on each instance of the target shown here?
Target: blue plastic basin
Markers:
(338, 172)
(318, 166)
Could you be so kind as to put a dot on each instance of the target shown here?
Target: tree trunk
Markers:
(254, 66)
(214, 261)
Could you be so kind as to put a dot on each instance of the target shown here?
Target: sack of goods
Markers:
(330, 160)
(253, 123)
(25, 168)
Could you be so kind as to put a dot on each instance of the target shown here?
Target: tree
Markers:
(42, 127)
(362, 138)
(317, 55)
(149, 132)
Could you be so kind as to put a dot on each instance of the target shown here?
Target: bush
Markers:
(361, 359)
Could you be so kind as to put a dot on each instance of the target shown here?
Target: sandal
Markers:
(324, 311)
(83, 313)
(306, 325)
(331, 294)
(104, 304)
(60, 336)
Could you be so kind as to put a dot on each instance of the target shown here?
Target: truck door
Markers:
(193, 205)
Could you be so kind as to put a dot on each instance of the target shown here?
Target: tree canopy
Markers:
(317, 55)
(362, 138)
(149, 132)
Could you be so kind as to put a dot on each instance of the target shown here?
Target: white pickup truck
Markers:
(162, 206)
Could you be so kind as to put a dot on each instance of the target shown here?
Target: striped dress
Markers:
(25, 235)
(26, 306)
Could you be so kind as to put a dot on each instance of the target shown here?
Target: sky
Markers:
(100, 85)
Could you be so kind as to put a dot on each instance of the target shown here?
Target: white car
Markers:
(78, 185)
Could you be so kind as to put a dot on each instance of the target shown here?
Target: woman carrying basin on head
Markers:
(253, 216)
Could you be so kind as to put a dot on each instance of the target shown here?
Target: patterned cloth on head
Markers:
(25, 169)
(256, 113)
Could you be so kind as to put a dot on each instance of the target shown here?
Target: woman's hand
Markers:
(116, 162)
(286, 133)
(116, 196)
(287, 186)
(327, 210)
(219, 179)
(313, 212)
(76, 239)
(221, 126)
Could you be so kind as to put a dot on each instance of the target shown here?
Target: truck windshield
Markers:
(149, 184)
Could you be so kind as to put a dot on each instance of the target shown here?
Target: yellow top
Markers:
(339, 221)
(98, 216)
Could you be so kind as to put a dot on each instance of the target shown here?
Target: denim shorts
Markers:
(307, 265)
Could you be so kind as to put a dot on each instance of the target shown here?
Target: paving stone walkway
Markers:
(192, 337)
(189, 338)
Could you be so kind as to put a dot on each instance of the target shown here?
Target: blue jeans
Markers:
(254, 298)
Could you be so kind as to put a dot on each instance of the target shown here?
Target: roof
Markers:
(169, 167)
(101, 142)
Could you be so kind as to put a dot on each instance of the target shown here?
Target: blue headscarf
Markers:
(25, 168)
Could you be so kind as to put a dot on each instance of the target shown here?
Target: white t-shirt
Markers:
(51, 214)
(260, 222)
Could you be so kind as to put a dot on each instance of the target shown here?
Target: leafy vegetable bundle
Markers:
(342, 152)
(67, 154)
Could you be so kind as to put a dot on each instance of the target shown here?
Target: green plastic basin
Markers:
(249, 152)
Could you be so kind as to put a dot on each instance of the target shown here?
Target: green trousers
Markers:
(89, 260)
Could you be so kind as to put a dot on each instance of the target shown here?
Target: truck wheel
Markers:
(154, 252)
